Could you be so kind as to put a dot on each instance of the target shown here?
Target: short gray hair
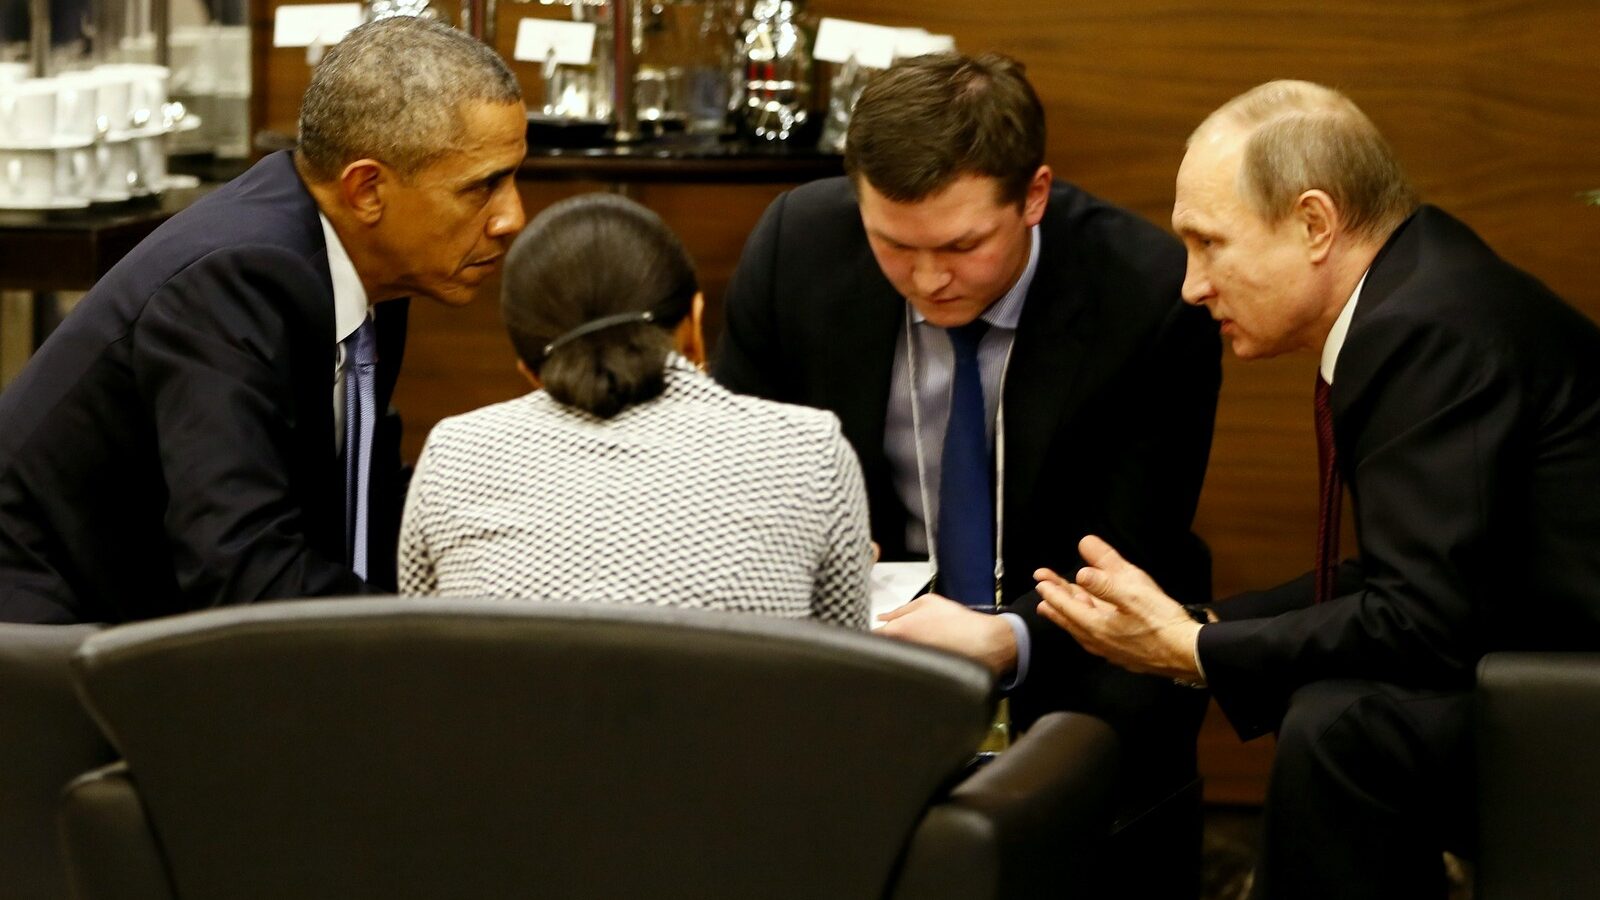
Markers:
(1304, 136)
(394, 90)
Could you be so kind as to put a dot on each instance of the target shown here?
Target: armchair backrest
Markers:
(427, 748)
(46, 738)
(1538, 722)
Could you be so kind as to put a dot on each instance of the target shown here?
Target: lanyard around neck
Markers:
(999, 455)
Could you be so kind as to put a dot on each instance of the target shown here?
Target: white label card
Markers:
(874, 46)
(572, 42)
(305, 24)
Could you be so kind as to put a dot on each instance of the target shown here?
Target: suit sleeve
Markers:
(1156, 480)
(1153, 483)
(1286, 597)
(1435, 423)
(747, 359)
(213, 358)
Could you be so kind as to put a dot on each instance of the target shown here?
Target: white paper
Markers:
(305, 24)
(871, 45)
(874, 46)
(892, 584)
(573, 42)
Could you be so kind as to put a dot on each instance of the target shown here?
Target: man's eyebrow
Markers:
(966, 238)
(486, 177)
(947, 245)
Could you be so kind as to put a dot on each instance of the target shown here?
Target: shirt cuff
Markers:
(1019, 630)
(1199, 666)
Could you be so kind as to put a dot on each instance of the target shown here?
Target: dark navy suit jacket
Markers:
(1466, 404)
(171, 446)
(1110, 396)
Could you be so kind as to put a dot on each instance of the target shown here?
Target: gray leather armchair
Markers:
(1538, 721)
(410, 748)
(46, 738)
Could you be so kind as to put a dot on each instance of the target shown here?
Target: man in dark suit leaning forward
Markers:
(1460, 401)
(967, 318)
(203, 428)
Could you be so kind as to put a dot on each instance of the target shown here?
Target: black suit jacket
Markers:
(1109, 398)
(171, 446)
(1466, 404)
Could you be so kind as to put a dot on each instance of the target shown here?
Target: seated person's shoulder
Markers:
(1136, 263)
(789, 423)
(489, 425)
(823, 200)
(1106, 227)
(265, 277)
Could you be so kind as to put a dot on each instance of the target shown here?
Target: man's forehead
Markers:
(1206, 180)
(969, 205)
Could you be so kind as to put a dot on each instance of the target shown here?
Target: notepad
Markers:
(894, 584)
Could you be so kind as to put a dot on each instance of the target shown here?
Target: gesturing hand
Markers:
(1117, 611)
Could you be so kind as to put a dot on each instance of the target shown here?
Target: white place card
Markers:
(916, 42)
(840, 39)
(308, 24)
(571, 42)
(874, 46)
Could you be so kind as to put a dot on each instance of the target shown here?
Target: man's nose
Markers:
(927, 274)
(1196, 283)
(507, 218)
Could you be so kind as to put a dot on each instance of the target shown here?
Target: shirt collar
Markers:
(350, 306)
(1336, 335)
(1007, 311)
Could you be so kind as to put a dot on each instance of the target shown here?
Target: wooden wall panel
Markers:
(459, 358)
(1493, 105)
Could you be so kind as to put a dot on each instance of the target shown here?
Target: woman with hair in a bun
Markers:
(628, 475)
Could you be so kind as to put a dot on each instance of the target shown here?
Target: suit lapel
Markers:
(1040, 384)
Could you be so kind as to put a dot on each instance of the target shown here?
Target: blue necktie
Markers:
(360, 415)
(965, 539)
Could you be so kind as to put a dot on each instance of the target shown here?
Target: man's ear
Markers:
(361, 187)
(1038, 196)
(1316, 218)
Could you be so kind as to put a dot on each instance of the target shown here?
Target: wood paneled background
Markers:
(1493, 105)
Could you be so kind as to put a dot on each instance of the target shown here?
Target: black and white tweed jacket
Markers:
(699, 498)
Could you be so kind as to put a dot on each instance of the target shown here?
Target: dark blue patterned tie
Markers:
(360, 415)
(965, 539)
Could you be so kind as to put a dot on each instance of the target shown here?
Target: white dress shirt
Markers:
(1336, 334)
(935, 365)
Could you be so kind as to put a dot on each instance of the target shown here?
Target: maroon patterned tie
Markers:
(1330, 493)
